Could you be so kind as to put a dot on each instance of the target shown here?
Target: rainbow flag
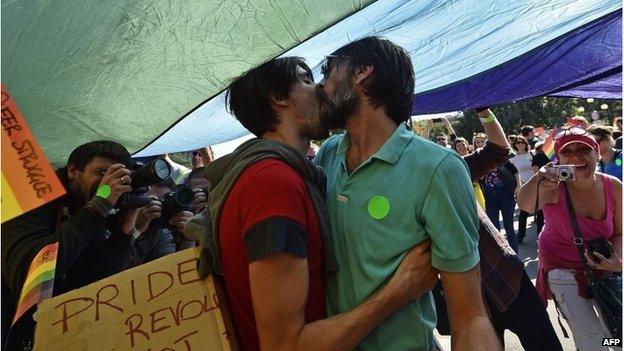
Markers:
(39, 280)
(549, 143)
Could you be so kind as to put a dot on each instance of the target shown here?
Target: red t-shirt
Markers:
(268, 210)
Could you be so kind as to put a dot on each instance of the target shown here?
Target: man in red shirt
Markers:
(270, 224)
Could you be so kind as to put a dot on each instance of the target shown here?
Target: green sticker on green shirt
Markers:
(378, 207)
(618, 162)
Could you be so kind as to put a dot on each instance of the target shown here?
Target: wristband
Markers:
(103, 191)
(489, 119)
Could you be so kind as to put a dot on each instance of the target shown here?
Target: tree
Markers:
(545, 112)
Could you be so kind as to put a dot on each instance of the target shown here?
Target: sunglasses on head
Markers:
(574, 130)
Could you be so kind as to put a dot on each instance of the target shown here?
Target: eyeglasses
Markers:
(574, 130)
(195, 154)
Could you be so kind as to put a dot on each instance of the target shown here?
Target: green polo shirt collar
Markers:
(391, 150)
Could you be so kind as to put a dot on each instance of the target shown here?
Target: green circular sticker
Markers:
(618, 162)
(378, 207)
(103, 191)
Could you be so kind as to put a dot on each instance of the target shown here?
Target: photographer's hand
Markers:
(115, 182)
(551, 182)
(200, 201)
(148, 213)
(612, 264)
(179, 220)
(128, 220)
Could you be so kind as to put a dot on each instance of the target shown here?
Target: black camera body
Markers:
(600, 245)
(143, 176)
(173, 202)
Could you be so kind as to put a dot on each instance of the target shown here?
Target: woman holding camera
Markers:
(596, 199)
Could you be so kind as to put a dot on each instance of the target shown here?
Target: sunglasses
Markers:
(195, 154)
(574, 130)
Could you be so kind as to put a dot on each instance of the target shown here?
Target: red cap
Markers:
(571, 139)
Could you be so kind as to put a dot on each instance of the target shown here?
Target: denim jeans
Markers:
(497, 199)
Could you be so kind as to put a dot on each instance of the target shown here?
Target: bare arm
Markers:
(548, 189)
(470, 326)
(494, 130)
(518, 184)
(279, 290)
(449, 129)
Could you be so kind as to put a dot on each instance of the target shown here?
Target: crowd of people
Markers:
(349, 246)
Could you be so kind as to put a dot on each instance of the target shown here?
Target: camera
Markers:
(563, 173)
(143, 176)
(601, 246)
(173, 202)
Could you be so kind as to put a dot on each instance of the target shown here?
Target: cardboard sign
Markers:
(158, 306)
(28, 180)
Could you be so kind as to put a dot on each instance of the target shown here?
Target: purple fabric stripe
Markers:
(583, 55)
(606, 88)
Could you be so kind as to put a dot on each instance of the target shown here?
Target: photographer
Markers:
(597, 202)
(160, 223)
(92, 243)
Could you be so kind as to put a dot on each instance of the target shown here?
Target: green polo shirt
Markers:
(409, 191)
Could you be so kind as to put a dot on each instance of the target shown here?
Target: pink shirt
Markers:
(556, 245)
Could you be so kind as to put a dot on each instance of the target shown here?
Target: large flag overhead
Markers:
(127, 70)
(151, 74)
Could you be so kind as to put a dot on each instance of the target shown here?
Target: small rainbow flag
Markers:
(39, 280)
(549, 143)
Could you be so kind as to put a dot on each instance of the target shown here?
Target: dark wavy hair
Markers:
(249, 96)
(391, 84)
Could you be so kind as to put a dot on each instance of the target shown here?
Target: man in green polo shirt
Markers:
(389, 190)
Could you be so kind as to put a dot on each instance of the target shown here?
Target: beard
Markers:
(335, 112)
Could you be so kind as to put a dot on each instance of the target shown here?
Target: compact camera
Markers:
(563, 173)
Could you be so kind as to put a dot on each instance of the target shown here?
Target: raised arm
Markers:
(279, 290)
(492, 128)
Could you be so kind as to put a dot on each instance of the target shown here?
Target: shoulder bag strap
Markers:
(578, 238)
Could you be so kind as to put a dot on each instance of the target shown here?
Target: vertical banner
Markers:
(28, 179)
